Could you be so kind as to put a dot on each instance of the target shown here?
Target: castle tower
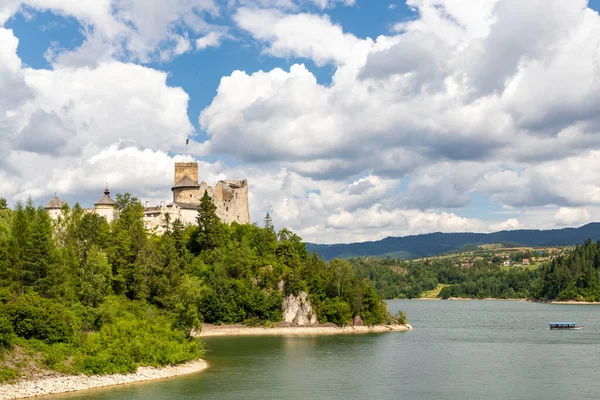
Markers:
(186, 187)
(54, 206)
(189, 169)
(106, 206)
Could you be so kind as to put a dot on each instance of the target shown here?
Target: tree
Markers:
(269, 223)
(3, 203)
(95, 278)
(209, 225)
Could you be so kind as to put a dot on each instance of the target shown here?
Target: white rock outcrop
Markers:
(298, 310)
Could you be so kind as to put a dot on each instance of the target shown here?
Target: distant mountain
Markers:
(431, 244)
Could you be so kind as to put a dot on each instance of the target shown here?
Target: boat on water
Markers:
(564, 325)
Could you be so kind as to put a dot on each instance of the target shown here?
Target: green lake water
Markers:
(458, 350)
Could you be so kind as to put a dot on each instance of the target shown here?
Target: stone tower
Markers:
(189, 169)
(185, 186)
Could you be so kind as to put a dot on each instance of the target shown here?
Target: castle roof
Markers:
(106, 200)
(54, 203)
(186, 206)
(185, 182)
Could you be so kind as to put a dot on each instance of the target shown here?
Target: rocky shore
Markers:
(243, 330)
(70, 383)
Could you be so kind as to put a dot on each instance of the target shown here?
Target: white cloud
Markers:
(509, 224)
(571, 216)
(411, 127)
(129, 29)
(299, 35)
(211, 39)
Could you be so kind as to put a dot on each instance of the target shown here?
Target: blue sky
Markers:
(369, 118)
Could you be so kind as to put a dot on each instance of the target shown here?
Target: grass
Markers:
(433, 294)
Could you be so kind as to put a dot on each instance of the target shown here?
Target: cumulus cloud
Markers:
(462, 89)
(298, 35)
(494, 98)
(509, 224)
(211, 39)
(140, 30)
(571, 216)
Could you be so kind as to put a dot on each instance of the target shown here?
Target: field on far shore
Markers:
(433, 294)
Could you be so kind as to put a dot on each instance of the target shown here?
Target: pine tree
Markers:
(20, 240)
(209, 225)
(41, 259)
(3, 203)
(177, 232)
(94, 278)
(269, 223)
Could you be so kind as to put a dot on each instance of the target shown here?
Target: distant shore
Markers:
(493, 299)
(464, 299)
(72, 383)
(244, 330)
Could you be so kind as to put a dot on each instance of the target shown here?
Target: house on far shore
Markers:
(525, 261)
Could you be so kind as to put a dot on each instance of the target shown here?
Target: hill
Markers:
(431, 244)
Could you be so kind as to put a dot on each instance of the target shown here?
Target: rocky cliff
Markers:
(298, 310)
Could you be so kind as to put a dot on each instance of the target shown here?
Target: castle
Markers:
(230, 198)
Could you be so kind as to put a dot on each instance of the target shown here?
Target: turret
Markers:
(106, 206)
(54, 206)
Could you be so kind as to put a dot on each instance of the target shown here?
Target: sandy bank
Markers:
(573, 302)
(71, 383)
(242, 330)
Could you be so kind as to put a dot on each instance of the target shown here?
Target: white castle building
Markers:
(230, 197)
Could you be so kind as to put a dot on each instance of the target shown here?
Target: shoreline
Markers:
(465, 299)
(525, 300)
(243, 330)
(72, 383)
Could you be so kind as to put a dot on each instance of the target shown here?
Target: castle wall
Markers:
(54, 213)
(187, 195)
(108, 212)
(231, 199)
(182, 169)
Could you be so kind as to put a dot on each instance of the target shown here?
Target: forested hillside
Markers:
(410, 279)
(82, 295)
(575, 275)
(432, 244)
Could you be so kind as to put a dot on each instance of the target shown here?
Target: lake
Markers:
(457, 350)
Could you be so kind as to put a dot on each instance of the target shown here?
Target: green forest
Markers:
(395, 279)
(572, 276)
(81, 295)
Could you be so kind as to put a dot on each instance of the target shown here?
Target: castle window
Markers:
(226, 208)
(190, 196)
(238, 217)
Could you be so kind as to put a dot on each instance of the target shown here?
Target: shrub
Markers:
(8, 374)
(335, 310)
(35, 318)
(7, 333)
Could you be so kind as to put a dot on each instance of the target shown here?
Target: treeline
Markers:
(406, 280)
(93, 297)
(575, 276)
(572, 276)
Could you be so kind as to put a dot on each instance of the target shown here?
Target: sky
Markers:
(352, 120)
